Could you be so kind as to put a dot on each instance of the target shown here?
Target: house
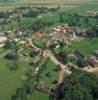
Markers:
(91, 13)
(96, 54)
(39, 35)
(79, 54)
(3, 39)
(93, 61)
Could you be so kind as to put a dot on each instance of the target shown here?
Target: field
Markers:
(67, 6)
(86, 46)
(41, 43)
(10, 80)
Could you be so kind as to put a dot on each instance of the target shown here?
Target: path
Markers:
(53, 58)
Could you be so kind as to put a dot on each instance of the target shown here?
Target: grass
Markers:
(41, 43)
(10, 80)
(39, 95)
(50, 66)
(79, 7)
(2, 50)
(86, 46)
(22, 24)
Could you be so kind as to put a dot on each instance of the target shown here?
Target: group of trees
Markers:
(92, 32)
(74, 19)
(61, 56)
(24, 92)
(9, 44)
(77, 86)
(81, 62)
(31, 14)
(13, 55)
(40, 24)
(4, 15)
(35, 11)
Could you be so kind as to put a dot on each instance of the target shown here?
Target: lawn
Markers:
(2, 50)
(41, 43)
(37, 95)
(10, 80)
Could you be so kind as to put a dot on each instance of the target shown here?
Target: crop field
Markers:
(68, 6)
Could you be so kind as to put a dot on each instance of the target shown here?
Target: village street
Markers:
(52, 57)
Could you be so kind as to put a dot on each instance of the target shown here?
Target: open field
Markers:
(68, 5)
(86, 46)
(10, 80)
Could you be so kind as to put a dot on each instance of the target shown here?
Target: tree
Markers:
(20, 94)
(62, 56)
(81, 62)
(79, 85)
(13, 55)
(13, 65)
(9, 44)
(29, 85)
(61, 17)
(86, 19)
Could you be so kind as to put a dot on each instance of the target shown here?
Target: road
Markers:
(53, 58)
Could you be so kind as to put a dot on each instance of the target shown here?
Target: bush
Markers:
(13, 55)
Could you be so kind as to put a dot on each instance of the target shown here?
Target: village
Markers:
(60, 34)
(44, 46)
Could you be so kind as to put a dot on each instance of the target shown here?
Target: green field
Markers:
(86, 46)
(67, 6)
(10, 80)
(41, 43)
(36, 95)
